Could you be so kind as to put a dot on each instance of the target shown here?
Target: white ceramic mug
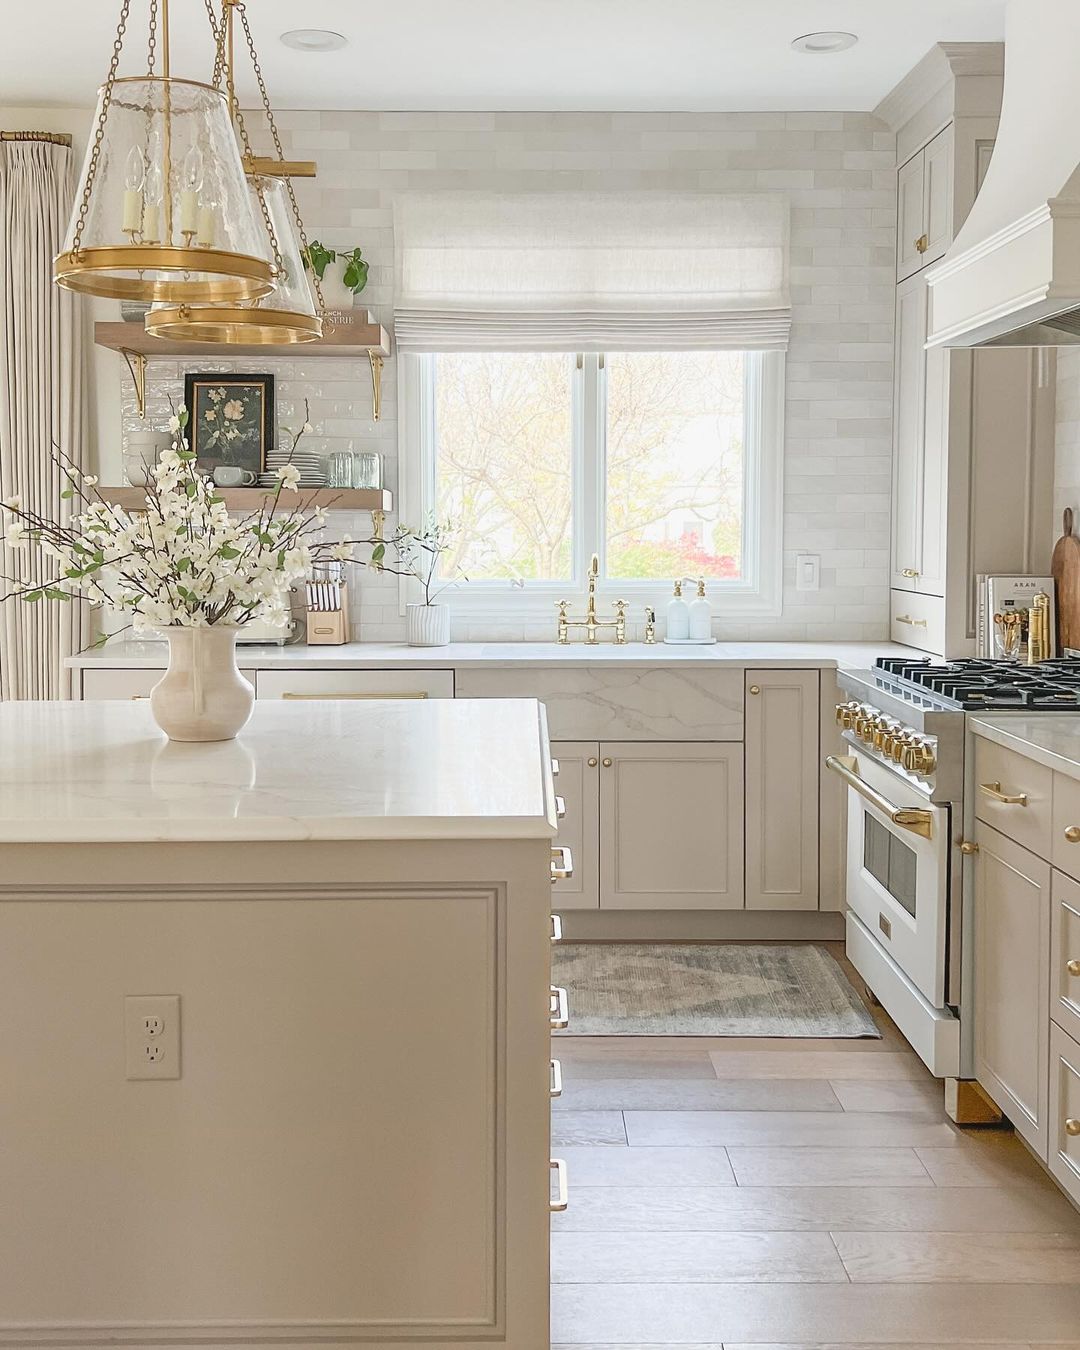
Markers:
(229, 475)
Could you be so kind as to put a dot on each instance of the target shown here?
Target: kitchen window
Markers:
(663, 463)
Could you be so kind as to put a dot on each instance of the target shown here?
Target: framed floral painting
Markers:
(230, 419)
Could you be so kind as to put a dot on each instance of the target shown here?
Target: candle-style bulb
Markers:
(191, 171)
(134, 170)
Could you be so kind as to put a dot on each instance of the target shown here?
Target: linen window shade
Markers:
(585, 272)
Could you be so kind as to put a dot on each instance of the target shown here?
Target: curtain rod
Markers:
(49, 137)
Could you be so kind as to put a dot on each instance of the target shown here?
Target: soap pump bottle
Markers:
(700, 612)
(678, 617)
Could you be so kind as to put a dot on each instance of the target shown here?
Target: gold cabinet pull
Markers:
(559, 1011)
(912, 623)
(556, 1079)
(556, 928)
(592, 761)
(1072, 1127)
(1072, 834)
(994, 792)
(562, 864)
(968, 847)
(909, 572)
(139, 698)
(1073, 967)
(908, 818)
(348, 694)
(922, 243)
(554, 768)
(755, 689)
(559, 1168)
(560, 807)
(606, 763)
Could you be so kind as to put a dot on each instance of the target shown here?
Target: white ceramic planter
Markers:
(336, 295)
(202, 696)
(428, 625)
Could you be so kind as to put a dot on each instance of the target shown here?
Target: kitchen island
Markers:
(275, 1027)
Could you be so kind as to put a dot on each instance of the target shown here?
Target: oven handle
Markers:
(908, 818)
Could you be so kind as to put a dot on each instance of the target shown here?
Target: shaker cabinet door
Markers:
(671, 825)
(578, 784)
(909, 433)
(937, 180)
(782, 776)
(909, 216)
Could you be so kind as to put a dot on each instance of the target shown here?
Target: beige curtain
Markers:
(41, 403)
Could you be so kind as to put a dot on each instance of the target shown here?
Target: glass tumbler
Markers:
(367, 469)
(340, 469)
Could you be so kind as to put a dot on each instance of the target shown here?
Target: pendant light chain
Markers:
(99, 133)
(301, 232)
(151, 47)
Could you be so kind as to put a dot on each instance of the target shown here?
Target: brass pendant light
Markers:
(288, 316)
(162, 210)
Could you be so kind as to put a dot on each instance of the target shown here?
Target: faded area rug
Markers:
(708, 989)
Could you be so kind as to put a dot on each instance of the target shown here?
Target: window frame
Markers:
(758, 594)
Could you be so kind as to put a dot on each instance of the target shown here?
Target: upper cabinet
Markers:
(924, 205)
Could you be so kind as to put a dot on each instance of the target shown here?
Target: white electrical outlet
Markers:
(152, 1035)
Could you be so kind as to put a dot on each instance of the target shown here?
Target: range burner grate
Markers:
(973, 684)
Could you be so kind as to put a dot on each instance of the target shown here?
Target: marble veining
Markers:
(1052, 739)
(436, 769)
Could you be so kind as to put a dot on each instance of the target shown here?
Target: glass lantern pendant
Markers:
(163, 211)
(287, 316)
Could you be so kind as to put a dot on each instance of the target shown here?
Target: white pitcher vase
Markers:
(202, 696)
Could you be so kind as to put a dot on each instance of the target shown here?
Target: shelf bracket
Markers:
(376, 383)
(378, 520)
(136, 364)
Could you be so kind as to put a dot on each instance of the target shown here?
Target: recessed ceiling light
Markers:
(822, 44)
(314, 40)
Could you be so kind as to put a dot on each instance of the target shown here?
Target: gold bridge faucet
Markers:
(590, 622)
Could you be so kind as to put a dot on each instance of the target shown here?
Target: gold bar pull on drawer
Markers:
(556, 1078)
(559, 1009)
(993, 790)
(556, 928)
(557, 1206)
(562, 864)
(330, 695)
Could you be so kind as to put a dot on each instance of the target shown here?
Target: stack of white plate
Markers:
(312, 467)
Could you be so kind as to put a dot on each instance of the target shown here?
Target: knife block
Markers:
(329, 627)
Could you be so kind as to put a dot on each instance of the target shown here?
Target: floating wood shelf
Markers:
(137, 347)
(250, 499)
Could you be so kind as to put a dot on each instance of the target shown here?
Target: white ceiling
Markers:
(516, 54)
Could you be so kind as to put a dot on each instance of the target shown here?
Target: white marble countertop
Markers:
(130, 655)
(440, 769)
(1052, 739)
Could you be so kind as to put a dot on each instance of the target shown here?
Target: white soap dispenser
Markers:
(678, 617)
(700, 615)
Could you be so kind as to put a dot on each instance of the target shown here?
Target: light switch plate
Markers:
(807, 572)
(152, 1035)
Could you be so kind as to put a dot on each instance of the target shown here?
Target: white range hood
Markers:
(1012, 275)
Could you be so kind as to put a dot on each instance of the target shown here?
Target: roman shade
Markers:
(591, 272)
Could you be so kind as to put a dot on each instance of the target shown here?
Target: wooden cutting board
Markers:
(1065, 569)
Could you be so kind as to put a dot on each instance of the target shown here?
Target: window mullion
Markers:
(591, 496)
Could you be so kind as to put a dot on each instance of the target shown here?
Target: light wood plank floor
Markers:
(796, 1195)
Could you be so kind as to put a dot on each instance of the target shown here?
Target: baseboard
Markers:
(738, 925)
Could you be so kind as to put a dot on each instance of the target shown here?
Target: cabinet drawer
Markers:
(1001, 773)
(1065, 848)
(1065, 948)
(1064, 1153)
(918, 621)
(359, 684)
(128, 684)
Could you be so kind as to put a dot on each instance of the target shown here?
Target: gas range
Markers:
(983, 685)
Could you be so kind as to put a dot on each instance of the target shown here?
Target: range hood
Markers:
(1011, 277)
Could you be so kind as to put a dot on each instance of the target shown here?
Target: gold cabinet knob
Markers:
(968, 847)
(922, 243)
(1073, 967)
(755, 689)
(592, 762)
(1072, 1127)
(910, 572)
(1072, 834)
(607, 763)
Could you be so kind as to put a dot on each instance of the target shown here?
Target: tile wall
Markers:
(838, 169)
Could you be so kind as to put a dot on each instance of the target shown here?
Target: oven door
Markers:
(897, 869)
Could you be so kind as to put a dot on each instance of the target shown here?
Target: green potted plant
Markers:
(342, 273)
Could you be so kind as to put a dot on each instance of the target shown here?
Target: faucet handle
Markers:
(561, 607)
(620, 607)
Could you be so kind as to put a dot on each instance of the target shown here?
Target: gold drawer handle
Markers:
(913, 623)
(556, 1079)
(556, 928)
(139, 698)
(994, 792)
(922, 243)
(559, 1011)
(377, 694)
(560, 807)
(1072, 1127)
(554, 768)
(1073, 967)
(909, 572)
(1072, 834)
(559, 1168)
(562, 864)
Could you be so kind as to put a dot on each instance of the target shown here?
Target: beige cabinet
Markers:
(909, 432)
(1065, 955)
(578, 783)
(1064, 1148)
(924, 201)
(1011, 977)
(354, 684)
(781, 798)
(133, 683)
(671, 825)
